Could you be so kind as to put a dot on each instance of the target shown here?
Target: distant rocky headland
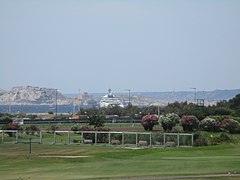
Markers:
(28, 95)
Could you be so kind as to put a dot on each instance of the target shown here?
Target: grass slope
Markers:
(112, 162)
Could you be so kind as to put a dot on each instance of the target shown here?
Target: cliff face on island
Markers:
(33, 95)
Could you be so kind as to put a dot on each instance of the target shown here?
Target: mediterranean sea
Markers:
(14, 109)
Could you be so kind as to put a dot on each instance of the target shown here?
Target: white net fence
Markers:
(99, 138)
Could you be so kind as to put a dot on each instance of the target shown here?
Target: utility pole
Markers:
(159, 111)
(56, 105)
(195, 94)
(9, 104)
(73, 106)
(79, 101)
(129, 97)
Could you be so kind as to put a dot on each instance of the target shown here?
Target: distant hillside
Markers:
(32, 95)
(162, 98)
(2, 91)
(216, 95)
(28, 95)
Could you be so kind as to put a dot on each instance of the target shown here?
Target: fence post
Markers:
(54, 137)
(40, 137)
(122, 138)
(150, 140)
(69, 137)
(2, 136)
(192, 139)
(95, 138)
(109, 138)
(82, 137)
(136, 139)
(178, 140)
(164, 140)
(16, 136)
(30, 145)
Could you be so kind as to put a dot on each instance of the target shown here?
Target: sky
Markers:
(141, 45)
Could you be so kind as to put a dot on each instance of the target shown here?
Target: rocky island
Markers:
(28, 95)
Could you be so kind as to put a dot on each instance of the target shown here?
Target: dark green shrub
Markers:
(116, 137)
(221, 111)
(32, 129)
(102, 137)
(89, 136)
(54, 128)
(200, 139)
(214, 140)
(76, 127)
(225, 138)
(177, 129)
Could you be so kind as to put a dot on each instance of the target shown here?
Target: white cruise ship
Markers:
(110, 100)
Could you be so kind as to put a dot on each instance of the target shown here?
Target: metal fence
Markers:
(146, 139)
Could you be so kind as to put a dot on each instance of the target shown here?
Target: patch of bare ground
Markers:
(61, 156)
(128, 129)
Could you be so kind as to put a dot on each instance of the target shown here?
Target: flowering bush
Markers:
(189, 123)
(168, 121)
(210, 124)
(230, 125)
(11, 126)
(149, 121)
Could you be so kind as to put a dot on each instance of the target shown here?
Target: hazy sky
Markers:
(142, 45)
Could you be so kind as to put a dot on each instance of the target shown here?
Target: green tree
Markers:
(234, 104)
(97, 120)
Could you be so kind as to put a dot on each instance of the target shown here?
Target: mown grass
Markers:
(103, 162)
